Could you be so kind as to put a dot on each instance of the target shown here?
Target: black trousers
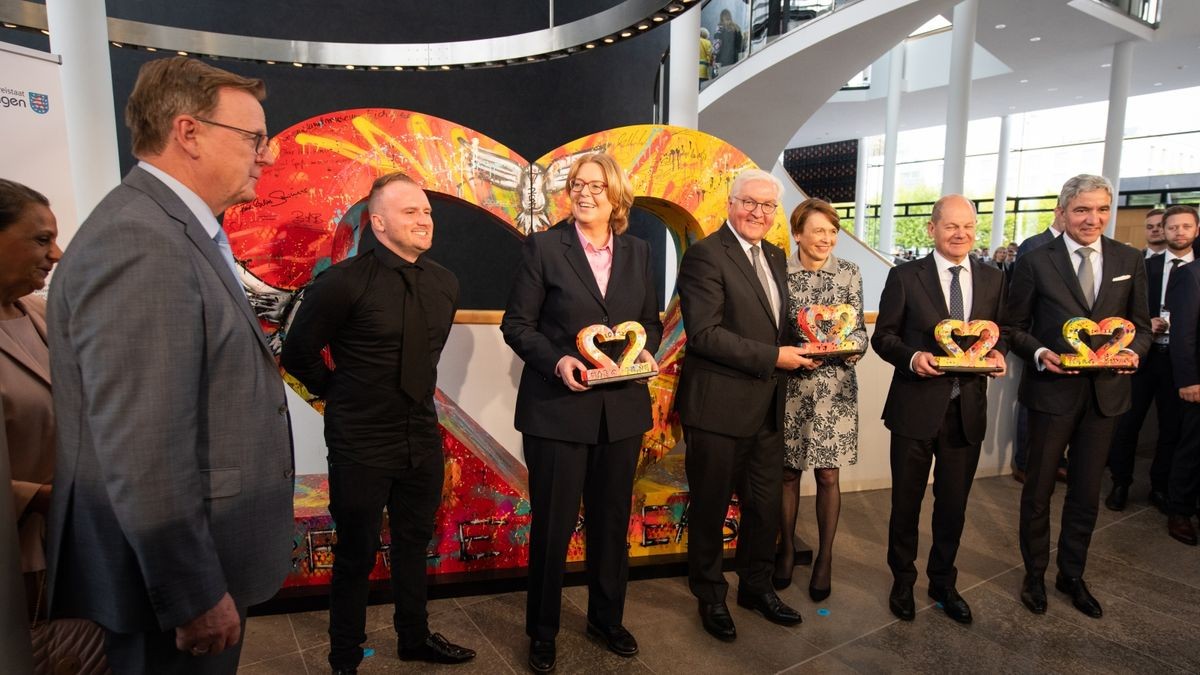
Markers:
(717, 466)
(1183, 488)
(953, 474)
(1152, 383)
(560, 473)
(1089, 434)
(357, 497)
(155, 653)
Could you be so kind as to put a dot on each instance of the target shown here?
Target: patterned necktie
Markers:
(416, 366)
(761, 271)
(1087, 277)
(226, 251)
(956, 312)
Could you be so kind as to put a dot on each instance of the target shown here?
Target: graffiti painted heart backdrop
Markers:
(310, 214)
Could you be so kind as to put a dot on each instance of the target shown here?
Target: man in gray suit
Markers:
(172, 503)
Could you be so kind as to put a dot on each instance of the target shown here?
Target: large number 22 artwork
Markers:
(309, 215)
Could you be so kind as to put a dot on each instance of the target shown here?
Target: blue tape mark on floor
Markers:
(822, 612)
(368, 652)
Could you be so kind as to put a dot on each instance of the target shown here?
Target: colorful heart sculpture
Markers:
(606, 370)
(835, 341)
(974, 359)
(1110, 355)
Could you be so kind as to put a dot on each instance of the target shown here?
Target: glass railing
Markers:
(732, 30)
(1147, 11)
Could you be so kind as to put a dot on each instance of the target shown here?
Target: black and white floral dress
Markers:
(821, 425)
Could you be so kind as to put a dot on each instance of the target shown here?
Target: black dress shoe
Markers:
(541, 656)
(1117, 498)
(952, 603)
(1180, 528)
(1033, 593)
(1159, 499)
(1080, 597)
(900, 601)
(770, 606)
(436, 649)
(618, 640)
(717, 621)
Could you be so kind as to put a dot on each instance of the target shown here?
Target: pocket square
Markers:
(1123, 277)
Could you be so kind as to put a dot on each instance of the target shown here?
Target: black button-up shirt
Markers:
(357, 308)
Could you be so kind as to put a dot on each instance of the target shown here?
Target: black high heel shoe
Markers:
(819, 594)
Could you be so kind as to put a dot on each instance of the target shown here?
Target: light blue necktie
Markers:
(227, 252)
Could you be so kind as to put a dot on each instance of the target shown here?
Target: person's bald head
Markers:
(952, 227)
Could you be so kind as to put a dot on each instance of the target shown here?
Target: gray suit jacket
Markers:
(175, 471)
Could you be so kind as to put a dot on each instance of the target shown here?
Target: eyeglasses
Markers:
(595, 187)
(260, 139)
(750, 205)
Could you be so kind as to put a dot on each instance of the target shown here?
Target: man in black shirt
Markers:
(385, 315)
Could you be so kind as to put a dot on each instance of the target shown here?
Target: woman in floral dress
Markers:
(821, 426)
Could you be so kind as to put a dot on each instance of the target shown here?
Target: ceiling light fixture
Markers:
(1035, 39)
(626, 33)
(1001, 26)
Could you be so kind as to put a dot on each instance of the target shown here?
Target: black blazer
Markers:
(1154, 280)
(1036, 241)
(1045, 293)
(729, 378)
(553, 297)
(911, 306)
(1183, 297)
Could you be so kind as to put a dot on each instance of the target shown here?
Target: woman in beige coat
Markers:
(27, 254)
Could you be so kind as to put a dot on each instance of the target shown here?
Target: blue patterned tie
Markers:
(956, 312)
(226, 252)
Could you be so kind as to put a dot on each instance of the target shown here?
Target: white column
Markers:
(958, 96)
(684, 107)
(860, 191)
(1000, 208)
(1114, 136)
(891, 138)
(79, 33)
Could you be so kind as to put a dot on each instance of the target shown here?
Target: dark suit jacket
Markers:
(174, 481)
(1154, 280)
(911, 306)
(1045, 293)
(1040, 239)
(555, 296)
(1183, 297)
(729, 377)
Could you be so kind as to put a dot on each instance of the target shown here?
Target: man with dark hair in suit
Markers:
(929, 412)
(732, 291)
(1183, 299)
(385, 315)
(172, 501)
(1079, 274)
(1153, 383)
(1156, 235)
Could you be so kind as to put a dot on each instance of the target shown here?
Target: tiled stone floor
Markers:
(1148, 583)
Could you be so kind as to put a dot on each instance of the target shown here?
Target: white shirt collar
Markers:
(944, 264)
(746, 246)
(1187, 257)
(1072, 246)
(190, 199)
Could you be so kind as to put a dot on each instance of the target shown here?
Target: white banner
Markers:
(33, 131)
